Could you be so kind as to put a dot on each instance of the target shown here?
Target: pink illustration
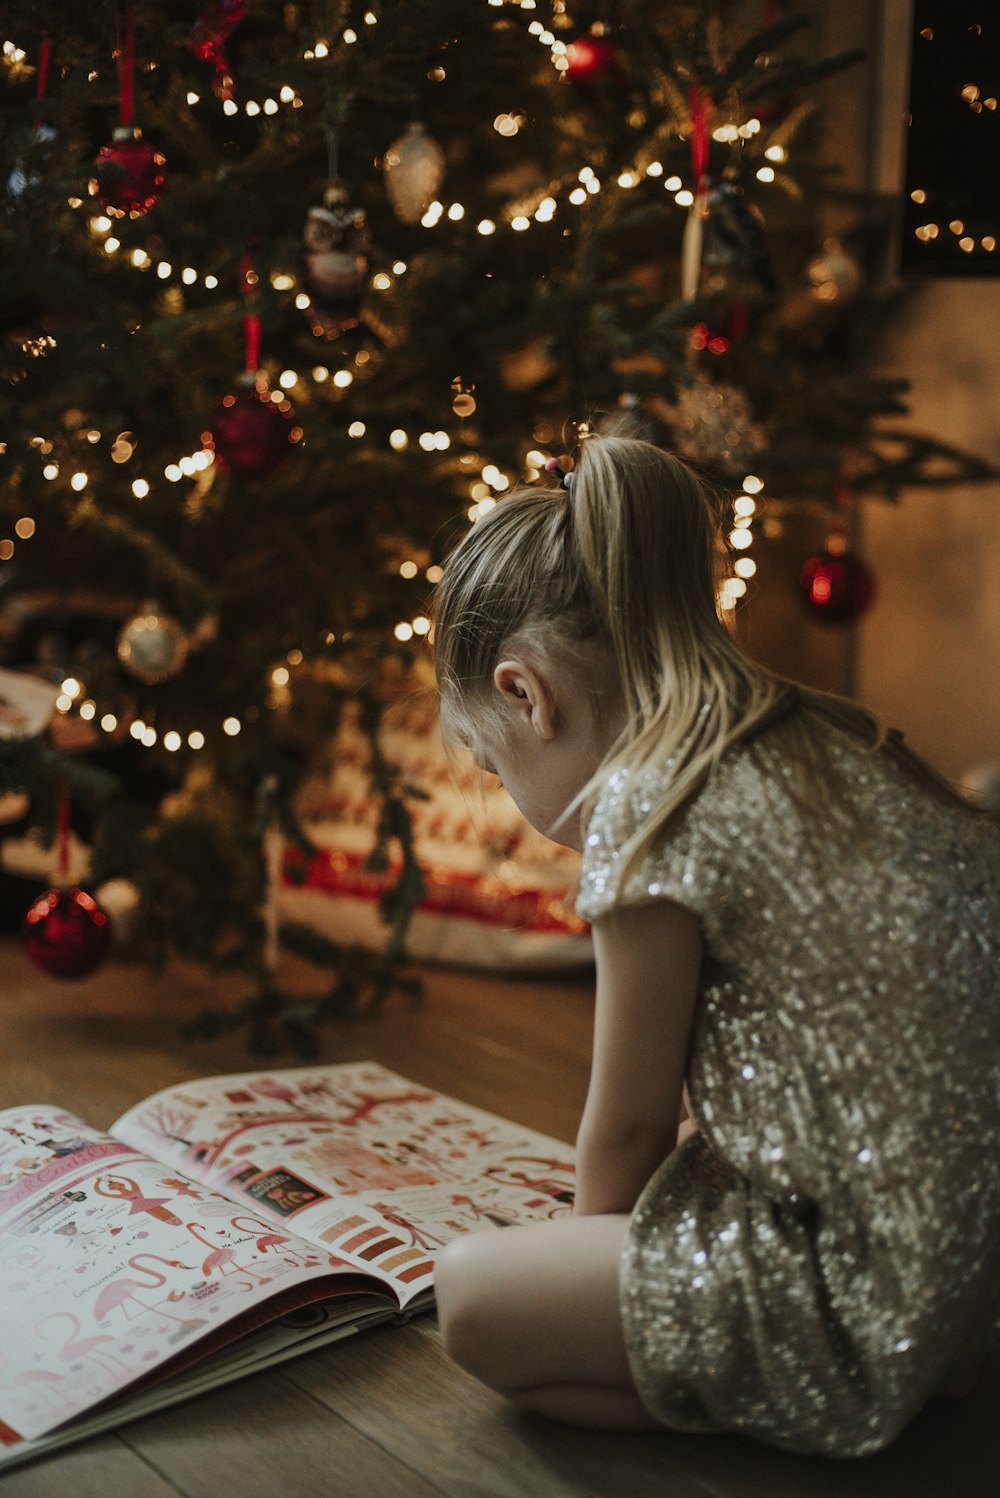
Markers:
(269, 1240)
(353, 1167)
(277, 1091)
(39, 1379)
(418, 1239)
(126, 1190)
(122, 1295)
(367, 1106)
(221, 1257)
(75, 1348)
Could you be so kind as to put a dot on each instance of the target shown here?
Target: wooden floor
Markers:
(386, 1415)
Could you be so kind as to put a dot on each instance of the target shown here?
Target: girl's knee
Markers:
(461, 1284)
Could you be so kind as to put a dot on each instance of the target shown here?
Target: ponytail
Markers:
(626, 558)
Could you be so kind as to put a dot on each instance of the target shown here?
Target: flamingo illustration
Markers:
(76, 1347)
(270, 1239)
(40, 1379)
(121, 1294)
(221, 1258)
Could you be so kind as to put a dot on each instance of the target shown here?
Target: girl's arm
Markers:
(648, 959)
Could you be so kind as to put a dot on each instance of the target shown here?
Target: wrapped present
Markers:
(498, 894)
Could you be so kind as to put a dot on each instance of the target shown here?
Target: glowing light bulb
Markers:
(140, 488)
(196, 739)
(231, 726)
(78, 481)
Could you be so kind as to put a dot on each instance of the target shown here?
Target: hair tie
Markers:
(565, 479)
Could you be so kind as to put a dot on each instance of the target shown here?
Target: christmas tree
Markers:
(292, 292)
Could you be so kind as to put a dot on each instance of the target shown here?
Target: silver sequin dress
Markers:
(806, 1268)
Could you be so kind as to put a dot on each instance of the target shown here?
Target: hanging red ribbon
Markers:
(251, 322)
(125, 60)
(62, 840)
(44, 59)
(700, 101)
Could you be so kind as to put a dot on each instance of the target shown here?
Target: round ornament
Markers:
(152, 646)
(593, 60)
(130, 174)
(414, 169)
(335, 255)
(834, 273)
(837, 586)
(251, 435)
(715, 426)
(66, 933)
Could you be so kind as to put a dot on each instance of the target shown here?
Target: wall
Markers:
(927, 654)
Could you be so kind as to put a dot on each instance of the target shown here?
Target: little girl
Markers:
(794, 917)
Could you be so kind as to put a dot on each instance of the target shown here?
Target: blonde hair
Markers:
(626, 560)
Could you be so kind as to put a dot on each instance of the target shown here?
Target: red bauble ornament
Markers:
(837, 587)
(251, 434)
(130, 174)
(593, 60)
(66, 933)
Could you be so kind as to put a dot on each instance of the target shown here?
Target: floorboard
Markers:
(387, 1413)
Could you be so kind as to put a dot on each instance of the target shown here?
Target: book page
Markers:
(112, 1264)
(378, 1169)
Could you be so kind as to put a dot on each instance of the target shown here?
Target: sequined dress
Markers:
(809, 1265)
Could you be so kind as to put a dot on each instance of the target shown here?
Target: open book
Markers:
(226, 1224)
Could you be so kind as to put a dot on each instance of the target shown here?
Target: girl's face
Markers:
(556, 730)
(542, 778)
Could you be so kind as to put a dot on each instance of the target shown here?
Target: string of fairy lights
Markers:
(491, 481)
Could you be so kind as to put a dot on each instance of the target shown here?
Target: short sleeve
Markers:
(704, 858)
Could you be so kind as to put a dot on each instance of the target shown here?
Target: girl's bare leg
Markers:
(534, 1313)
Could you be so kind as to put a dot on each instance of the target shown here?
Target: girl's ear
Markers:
(527, 692)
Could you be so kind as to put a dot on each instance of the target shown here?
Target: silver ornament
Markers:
(414, 168)
(714, 424)
(152, 646)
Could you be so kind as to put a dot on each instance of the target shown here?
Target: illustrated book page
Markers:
(113, 1266)
(365, 1164)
